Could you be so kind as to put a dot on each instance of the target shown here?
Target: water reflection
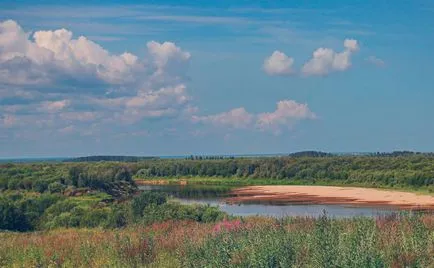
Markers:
(214, 195)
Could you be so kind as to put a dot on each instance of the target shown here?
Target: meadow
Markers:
(390, 241)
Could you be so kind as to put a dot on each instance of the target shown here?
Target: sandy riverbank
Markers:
(334, 195)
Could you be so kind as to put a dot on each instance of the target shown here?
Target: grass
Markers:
(390, 241)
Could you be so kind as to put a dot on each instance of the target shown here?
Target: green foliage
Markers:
(56, 187)
(176, 211)
(22, 211)
(398, 169)
(388, 241)
(87, 211)
(114, 179)
(261, 247)
(392, 241)
(11, 217)
(145, 199)
(395, 170)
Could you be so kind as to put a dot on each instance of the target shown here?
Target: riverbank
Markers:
(245, 182)
(333, 195)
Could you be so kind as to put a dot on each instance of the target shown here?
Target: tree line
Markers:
(405, 170)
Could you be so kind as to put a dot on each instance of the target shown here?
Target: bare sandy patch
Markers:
(333, 195)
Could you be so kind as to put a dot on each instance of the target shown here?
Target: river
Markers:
(215, 195)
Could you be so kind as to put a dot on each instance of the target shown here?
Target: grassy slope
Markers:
(398, 241)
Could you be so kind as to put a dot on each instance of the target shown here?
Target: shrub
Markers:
(140, 202)
(56, 187)
(12, 218)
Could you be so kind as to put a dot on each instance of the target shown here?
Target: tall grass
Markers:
(386, 241)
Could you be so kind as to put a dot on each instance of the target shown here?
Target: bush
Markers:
(56, 187)
(40, 186)
(177, 211)
(140, 202)
(12, 218)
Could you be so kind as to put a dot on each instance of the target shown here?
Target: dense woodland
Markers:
(47, 196)
(115, 178)
(398, 171)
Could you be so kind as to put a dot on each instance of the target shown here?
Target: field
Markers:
(393, 241)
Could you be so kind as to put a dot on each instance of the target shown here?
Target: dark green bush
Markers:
(140, 202)
(11, 217)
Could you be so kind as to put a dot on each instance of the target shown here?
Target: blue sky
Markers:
(215, 77)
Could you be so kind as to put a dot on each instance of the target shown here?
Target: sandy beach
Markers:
(334, 195)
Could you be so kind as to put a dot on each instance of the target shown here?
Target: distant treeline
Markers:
(123, 158)
(393, 169)
(384, 154)
(400, 153)
(208, 157)
(113, 158)
(413, 170)
(310, 154)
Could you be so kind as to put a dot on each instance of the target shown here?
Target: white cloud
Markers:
(236, 118)
(54, 106)
(278, 64)
(376, 61)
(351, 45)
(326, 60)
(160, 98)
(286, 114)
(89, 83)
(55, 53)
(166, 52)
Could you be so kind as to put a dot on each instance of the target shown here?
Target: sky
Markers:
(215, 77)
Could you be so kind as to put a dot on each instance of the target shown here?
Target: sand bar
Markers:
(334, 195)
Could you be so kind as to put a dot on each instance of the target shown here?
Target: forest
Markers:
(408, 171)
(116, 178)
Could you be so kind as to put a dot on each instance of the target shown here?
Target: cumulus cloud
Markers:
(68, 79)
(287, 113)
(326, 60)
(160, 98)
(66, 84)
(162, 53)
(278, 64)
(235, 118)
(376, 61)
(50, 55)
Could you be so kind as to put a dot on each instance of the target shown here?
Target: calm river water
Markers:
(215, 195)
